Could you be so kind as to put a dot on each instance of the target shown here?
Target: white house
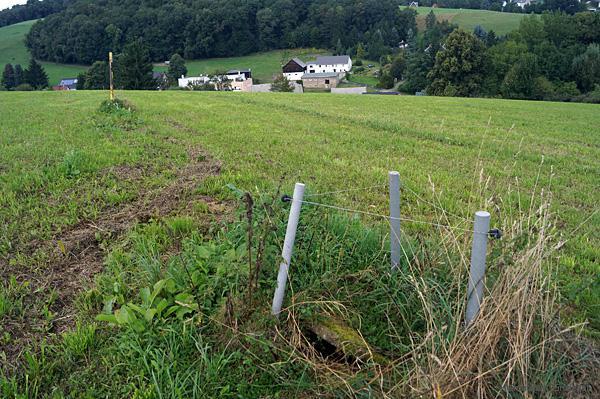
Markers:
(194, 80)
(239, 74)
(330, 64)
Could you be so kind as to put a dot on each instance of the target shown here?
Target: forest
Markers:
(33, 9)
(555, 56)
(84, 32)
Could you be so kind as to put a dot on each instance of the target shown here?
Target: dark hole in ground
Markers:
(327, 350)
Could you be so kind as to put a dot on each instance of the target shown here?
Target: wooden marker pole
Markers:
(110, 74)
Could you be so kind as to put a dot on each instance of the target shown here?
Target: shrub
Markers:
(358, 63)
(24, 87)
(386, 81)
(593, 97)
(282, 84)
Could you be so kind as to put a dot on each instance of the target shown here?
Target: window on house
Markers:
(326, 81)
(334, 70)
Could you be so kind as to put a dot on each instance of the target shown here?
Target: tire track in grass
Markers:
(74, 257)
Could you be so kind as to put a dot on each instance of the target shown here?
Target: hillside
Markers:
(500, 22)
(13, 51)
(264, 65)
(133, 248)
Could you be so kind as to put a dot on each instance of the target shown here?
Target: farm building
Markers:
(192, 80)
(66, 84)
(322, 80)
(330, 64)
(239, 74)
(294, 69)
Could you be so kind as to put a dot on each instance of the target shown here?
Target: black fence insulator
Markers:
(495, 233)
(286, 198)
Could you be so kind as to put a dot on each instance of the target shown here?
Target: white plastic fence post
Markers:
(288, 246)
(477, 273)
(395, 218)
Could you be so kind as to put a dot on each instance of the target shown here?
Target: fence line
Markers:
(344, 191)
(339, 208)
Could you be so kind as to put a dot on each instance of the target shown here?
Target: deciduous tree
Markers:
(177, 68)
(458, 68)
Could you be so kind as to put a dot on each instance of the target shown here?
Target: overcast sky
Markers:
(8, 3)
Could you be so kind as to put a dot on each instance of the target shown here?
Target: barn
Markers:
(294, 69)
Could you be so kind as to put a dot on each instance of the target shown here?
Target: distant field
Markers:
(13, 51)
(264, 65)
(500, 22)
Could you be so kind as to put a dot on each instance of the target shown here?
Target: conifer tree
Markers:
(8, 77)
(36, 76)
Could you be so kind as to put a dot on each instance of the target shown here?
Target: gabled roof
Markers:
(331, 60)
(237, 71)
(320, 75)
(68, 82)
(299, 62)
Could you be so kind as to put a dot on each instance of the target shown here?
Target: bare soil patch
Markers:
(77, 254)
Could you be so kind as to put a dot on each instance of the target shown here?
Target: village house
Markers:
(294, 69)
(321, 80)
(330, 64)
(593, 5)
(238, 80)
(239, 74)
(66, 84)
(192, 80)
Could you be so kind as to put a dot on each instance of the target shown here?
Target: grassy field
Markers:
(13, 51)
(500, 22)
(134, 213)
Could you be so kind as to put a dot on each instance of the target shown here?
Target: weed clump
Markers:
(116, 106)
(117, 114)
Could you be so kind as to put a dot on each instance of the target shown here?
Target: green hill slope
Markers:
(500, 22)
(263, 65)
(13, 51)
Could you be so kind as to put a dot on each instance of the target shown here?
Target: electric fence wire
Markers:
(405, 219)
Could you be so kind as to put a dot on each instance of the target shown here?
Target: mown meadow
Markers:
(139, 245)
(500, 22)
(13, 51)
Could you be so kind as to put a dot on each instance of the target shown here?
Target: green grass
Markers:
(500, 22)
(477, 153)
(13, 51)
(264, 65)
